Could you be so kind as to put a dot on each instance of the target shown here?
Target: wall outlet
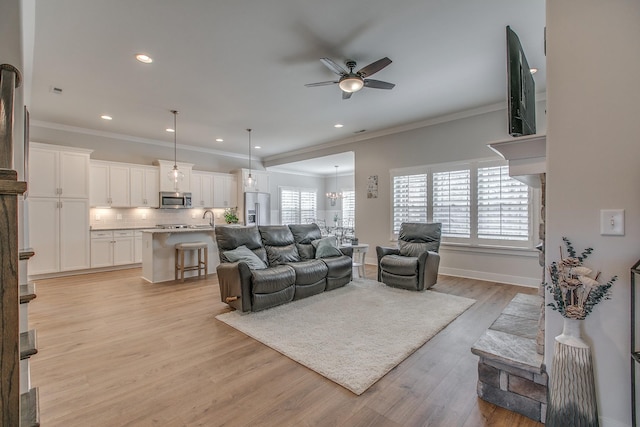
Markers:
(119, 217)
(98, 217)
(193, 216)
(144, 216)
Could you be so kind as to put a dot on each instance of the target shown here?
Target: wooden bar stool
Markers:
(202, 265)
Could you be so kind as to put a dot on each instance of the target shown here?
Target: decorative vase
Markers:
(572, 392)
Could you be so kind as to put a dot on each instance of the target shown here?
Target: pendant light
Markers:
(334, 195)
(175, 175)
(249, 181)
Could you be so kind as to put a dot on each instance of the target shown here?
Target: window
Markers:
(503, 205)
(297, 205)
(452, 202)
(476, 202)
(348, 208)
(409, 199)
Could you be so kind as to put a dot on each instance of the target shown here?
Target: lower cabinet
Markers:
(110, 248)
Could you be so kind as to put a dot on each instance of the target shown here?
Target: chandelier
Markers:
(334, 195)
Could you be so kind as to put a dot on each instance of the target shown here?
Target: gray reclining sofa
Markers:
(285, 265)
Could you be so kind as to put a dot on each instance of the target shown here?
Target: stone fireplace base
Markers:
(511, 373)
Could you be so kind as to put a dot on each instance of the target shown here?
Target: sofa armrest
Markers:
(428, 263)
(382, 251)
(234, 279)
(348, 251)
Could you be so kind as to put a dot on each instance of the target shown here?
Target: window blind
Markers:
(452, 202)
(503, 205)
(297, 205)
(409, 199)
(348, 208)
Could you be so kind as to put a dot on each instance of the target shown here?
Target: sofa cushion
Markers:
(242, 253)
(278, 255)
(416, 232)
(272, 279)
(309, 272)
(279, 244)
(399, 265)
(231, 237)
(304, 234)
(326, 247)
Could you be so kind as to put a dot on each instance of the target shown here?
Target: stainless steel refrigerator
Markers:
(257, 208)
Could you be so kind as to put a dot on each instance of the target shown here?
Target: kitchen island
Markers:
(158, 251)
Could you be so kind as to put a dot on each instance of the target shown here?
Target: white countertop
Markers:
(193, 229)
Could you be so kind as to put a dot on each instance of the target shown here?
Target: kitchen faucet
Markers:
(204, 215)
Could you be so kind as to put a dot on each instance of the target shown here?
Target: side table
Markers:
(359, 252)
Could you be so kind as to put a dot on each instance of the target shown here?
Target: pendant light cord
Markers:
(249, 130)
(175, 143)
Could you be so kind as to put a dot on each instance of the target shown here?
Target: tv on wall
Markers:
(521, 89)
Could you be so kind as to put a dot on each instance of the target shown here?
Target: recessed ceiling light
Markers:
(533, 70)
(219, 140)
(169, 130)
(257, 147)
(106, 117)
(145, 59)
(338, 125)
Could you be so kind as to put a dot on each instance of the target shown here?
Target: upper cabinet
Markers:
(202, 189)
(225, 191)
(109, 184)
(56, 171)
(166, 184)
(145, 186)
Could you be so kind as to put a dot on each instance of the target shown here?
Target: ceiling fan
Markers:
(351, 81)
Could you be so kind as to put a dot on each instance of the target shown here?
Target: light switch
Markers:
(119, 217)
(612, 222)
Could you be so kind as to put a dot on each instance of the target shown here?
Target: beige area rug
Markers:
(353, 335)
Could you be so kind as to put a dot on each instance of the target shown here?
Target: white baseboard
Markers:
(608, 422)
(529, 282)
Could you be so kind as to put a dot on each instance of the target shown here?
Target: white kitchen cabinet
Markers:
(137, 246)
(225, 191)
(112, 247)
(58, 234)
(166, 184)
(109, 184)
(145, 186)
(101, 249)
(202, 189)
(56, 171)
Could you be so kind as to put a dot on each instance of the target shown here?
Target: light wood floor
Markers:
(114, 350)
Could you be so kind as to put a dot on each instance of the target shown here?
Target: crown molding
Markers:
(138, 140)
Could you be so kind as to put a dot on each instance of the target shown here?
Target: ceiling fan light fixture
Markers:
(351, 84)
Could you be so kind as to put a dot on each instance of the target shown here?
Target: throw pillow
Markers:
(326, 247)
(242, 253)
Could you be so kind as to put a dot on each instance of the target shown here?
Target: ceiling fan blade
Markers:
(321, 83)
(377, 84)
(333, 66)
(374, 67)
(346, 95)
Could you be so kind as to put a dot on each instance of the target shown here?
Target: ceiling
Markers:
(228, 65)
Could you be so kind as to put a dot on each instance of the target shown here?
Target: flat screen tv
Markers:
(521, 89)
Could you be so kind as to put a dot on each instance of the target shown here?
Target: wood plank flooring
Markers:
(114, 350)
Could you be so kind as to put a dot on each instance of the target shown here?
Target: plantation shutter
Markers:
(289, 206)
(409, 199)
(307, 206)
(452, 202)
(503, 205)
(348, 208)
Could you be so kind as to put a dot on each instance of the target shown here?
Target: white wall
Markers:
(456, 139)
(593, 66)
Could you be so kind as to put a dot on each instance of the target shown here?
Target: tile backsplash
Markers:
(143, 217)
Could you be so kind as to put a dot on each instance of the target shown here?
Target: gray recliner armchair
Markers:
(414, 263)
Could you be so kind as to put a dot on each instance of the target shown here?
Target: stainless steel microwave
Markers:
(172, 200)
